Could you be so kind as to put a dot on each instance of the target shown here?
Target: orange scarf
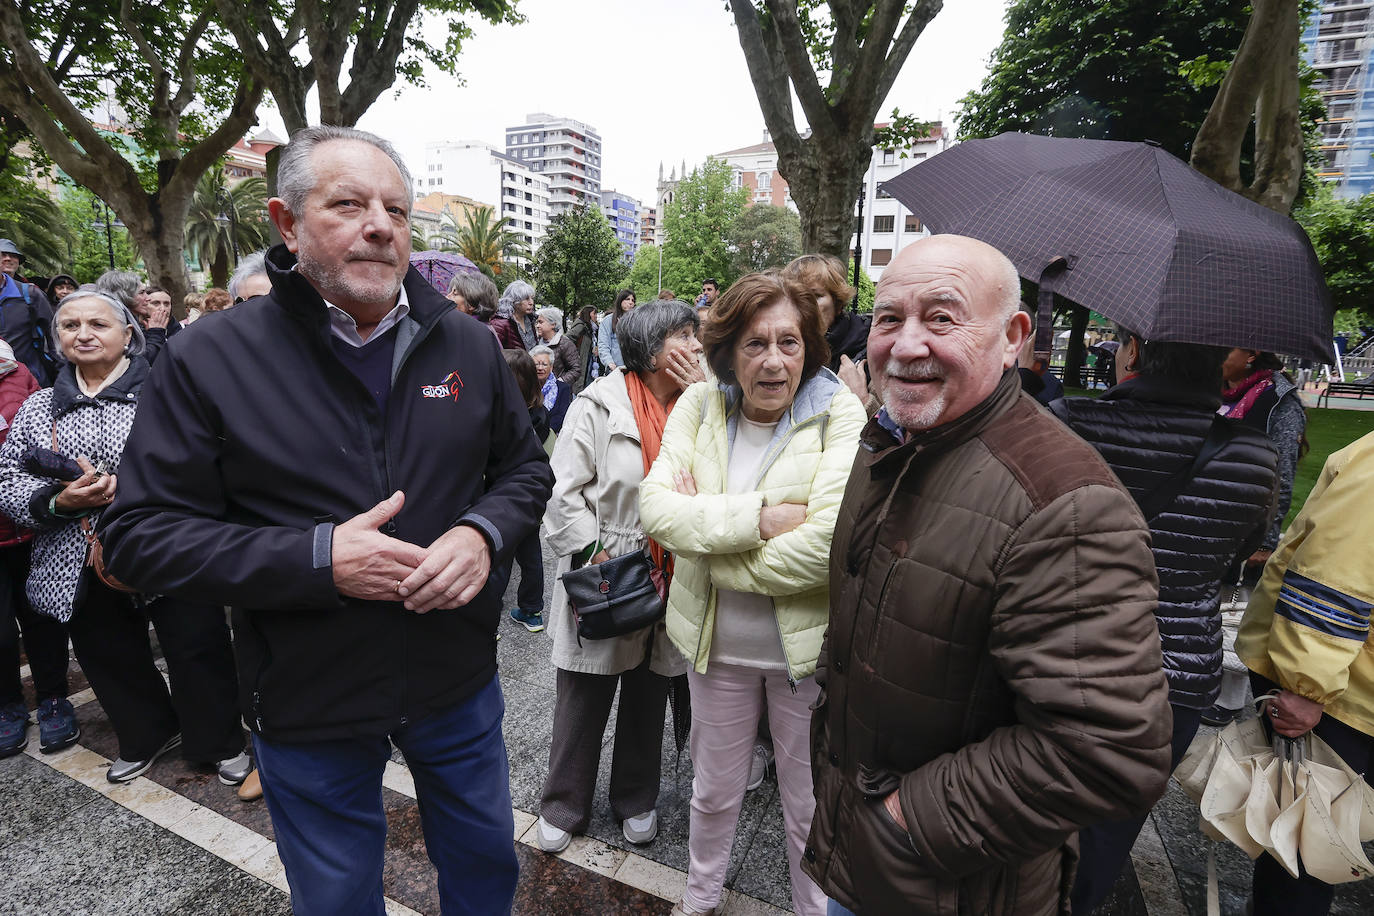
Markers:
(650, 417)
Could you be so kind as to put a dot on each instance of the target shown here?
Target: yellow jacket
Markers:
(715, 535)
(1307, 626)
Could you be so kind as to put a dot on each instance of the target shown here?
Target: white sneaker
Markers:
(551, 838)
(641, 829)
(758, 765)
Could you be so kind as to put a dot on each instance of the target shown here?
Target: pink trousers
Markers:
(727, 702)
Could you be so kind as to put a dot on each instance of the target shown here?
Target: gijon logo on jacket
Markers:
(449, 387)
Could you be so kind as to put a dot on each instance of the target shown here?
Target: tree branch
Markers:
(916, 23)
(29, 90)
(787, 27)
(199, 158)
(1217, 146)
(769, 75)
(372, 74)
(267, 53)
(186, 60)
(145, 48)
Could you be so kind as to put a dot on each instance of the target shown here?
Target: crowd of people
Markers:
(973, 623)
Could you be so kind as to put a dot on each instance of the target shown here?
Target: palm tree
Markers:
(216, 212)
(35, 223)
(483, 239)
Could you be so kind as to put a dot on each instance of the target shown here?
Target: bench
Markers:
(1357, 390)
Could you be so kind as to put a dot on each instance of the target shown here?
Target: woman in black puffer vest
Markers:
(1151, 427)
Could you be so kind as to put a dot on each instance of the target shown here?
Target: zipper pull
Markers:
(257, 715)
(790, 682)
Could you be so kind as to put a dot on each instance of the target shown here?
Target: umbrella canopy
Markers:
(438, 267)
(1150, 242)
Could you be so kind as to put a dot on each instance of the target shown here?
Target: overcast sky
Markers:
(662, 80)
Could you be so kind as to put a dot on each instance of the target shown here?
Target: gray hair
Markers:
(250, 265)
(118, 284)
(477, 291)
(644, 328)
(518, 291)
(137, 341)
(553, 316)
(542, 350)
(296, 173)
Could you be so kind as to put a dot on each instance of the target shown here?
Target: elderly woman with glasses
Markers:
(58, 472)
(610, 438)
(745, 493)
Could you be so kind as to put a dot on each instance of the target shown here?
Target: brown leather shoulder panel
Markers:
(1045, 456)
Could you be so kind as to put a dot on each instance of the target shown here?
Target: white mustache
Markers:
(922, 370)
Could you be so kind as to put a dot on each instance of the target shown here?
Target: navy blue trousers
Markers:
(325, 799)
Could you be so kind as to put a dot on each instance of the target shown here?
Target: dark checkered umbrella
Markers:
(1149, 241)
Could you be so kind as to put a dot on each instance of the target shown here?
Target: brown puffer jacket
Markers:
(993, 656)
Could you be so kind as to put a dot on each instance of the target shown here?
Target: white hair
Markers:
(553, 316)
(296, 172)
(250, 265)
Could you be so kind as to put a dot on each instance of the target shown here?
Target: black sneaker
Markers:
(14, 729)
(1220, 716)
(57, 725)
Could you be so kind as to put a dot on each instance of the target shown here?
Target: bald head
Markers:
(946, 324)
(995, 278)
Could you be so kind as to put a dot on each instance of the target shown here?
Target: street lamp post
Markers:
(227, 215)
(109, 235)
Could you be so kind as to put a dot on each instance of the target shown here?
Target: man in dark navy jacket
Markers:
(343, 461)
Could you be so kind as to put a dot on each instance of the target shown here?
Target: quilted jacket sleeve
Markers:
(1074, 638)
(570, 519)
(708, 523)
(788, 564)
(32, 426)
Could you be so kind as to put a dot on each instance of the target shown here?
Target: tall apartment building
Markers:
(648, 225)
(887, 225)
(1339, 44)
(475, 170)
(566, 152)
(622, 212)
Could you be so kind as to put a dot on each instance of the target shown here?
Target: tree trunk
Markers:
(1074, 359)
(164, 262)
(1261, 85)
(826, 184)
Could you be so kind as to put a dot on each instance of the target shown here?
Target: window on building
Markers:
(529, 196)
(880, 257)
(529, 211)
(883, 223)
(919, 156)
(508, 206)
(883, 195)
(889, 156)
(764, 179)
(912, 223)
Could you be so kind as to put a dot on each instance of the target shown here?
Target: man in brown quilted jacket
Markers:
(992, 674)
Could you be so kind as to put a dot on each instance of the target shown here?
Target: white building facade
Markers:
(566, 152)
(487, 175)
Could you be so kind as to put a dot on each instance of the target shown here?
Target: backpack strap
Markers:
(1153, 504)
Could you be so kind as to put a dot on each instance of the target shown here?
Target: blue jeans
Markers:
(325, 799)
(836, 909)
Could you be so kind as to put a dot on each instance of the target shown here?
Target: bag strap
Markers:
(1153, 504)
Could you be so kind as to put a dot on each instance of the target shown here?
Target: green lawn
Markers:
(1328, 430)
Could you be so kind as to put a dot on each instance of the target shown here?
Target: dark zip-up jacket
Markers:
(254, 440)
(1148, 429)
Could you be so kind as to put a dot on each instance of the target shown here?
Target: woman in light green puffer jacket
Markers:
(745, 493)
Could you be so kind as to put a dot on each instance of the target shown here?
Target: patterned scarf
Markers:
(650, 417)
(1237, 401)
(550, 391)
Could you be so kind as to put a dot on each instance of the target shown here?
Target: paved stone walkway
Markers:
(177, 842)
